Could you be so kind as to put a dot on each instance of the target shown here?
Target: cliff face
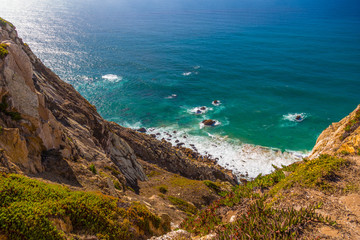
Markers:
(340, 138)
(49, 130)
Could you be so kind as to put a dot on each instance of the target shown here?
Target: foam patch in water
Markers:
(292, 117)
(199, 110)
(187, 73)
(112, 77)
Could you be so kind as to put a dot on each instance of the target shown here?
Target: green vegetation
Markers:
(3, 108)
(153, 174)
(113, 170)
(352, 125)
(355, 121)
(28, 207)
(92, 168)
(212, 186)
(343, 152)
(261, 222)
(3, 22)
(258, 220)
(183, 205)
(163, 189)
(215, 187)
(117, 185)
(184, 182)
(3, 50)
(317, 173)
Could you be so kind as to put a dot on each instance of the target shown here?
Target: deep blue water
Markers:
(265, 60)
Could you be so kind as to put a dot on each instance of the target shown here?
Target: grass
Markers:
(153, 174)
(273, 178)
(163, 189)
(117, 185)
(92, 168)
(27, 207)
(317, 173)
(183, 205)
(16, 116)
(351, 125)
(3, 51)
(261, 222)
(184, 182)
(113, 170)
(257, 220)
(215, 187)
(3, 22)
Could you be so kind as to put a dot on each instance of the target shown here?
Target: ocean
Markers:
(154, 63)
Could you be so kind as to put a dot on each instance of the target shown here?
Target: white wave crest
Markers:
(171, 96)
(186, 73)
(112, 77)
(245, 160)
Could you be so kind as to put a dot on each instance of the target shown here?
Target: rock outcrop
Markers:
(340, 138)
(48, 130)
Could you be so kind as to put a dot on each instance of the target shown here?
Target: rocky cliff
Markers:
(48, 130)
(341, 138)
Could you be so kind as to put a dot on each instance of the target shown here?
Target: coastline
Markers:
(246, 161)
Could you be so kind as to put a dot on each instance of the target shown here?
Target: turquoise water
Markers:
(266, 61)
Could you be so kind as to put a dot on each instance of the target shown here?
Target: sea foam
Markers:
(187, 73)
(292, 116)
(245, 160)
(112, 77)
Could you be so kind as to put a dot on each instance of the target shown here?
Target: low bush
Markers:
(183, 205)
(3, 51)
(93, 168)
(27, 207)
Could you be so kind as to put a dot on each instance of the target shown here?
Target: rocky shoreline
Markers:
(59, 129)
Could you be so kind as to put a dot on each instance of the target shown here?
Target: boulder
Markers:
(209, 122)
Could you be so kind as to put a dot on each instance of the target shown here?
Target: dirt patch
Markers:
(351, 203)
(161, 184)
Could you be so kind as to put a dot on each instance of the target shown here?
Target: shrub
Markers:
(212, 186)
(351, 125)
(27, 207)
(163, 189)
(183, 205)
(92, 168)
(316, 173)
(3, 22)
(261, 222)
(113, 170)
(117, 185)
(3, 51)
(3, 108)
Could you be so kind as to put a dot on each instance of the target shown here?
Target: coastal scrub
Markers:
(3, 50)
(29, 209)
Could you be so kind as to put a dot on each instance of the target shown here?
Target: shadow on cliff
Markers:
(57, 169)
